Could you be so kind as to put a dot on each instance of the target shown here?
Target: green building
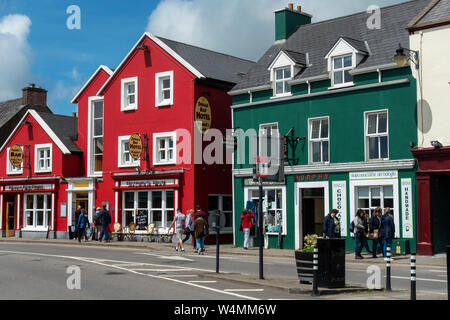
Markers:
(349, 114)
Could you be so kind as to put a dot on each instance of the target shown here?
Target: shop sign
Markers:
(135, 146)
(312, 177)
(374, 175)
(202, 115)
(407, 208)
(34, 187)
(16, 156)
(340, 203)
(251, 183)
(148, 183)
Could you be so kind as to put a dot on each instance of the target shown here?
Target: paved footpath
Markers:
(351, 292)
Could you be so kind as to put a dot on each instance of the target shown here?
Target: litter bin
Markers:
(331, 271)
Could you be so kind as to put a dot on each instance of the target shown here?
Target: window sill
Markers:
(275, 234)
(124, 166)
(43, 171)
(340, 86)
(164, 163)
(122, 108)
(281, 96)
(14, 173)
(377, 160)
(35, 229)
(319, 163)
(164, 104)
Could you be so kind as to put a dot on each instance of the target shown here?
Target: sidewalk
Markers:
(352, 291)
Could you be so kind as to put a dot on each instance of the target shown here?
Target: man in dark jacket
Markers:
(374, 230)
(83, 221)
(105, 219)
(331, 225)
(387, 230)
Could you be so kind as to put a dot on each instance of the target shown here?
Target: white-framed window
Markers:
(265, 146)
(96, 143)
(372, 197)
(274, 206)
(282, 76)
(164, 89)
(164, 148)
(129, 93)
(341, 67)
(10, 170)
(224, 203)
(145, 207)
(37, 210)
(124, 157)
(43, 158)
(319, 140)
(377, 135)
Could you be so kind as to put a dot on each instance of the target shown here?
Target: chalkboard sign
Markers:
(142, 220)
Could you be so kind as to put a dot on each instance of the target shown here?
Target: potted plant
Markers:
(304, 259)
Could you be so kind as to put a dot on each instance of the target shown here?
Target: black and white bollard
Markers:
(413, 276)
(388, 269)
(315, 291)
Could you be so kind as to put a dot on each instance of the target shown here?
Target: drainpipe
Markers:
(251, 96)
(309, 86)
(379, 75)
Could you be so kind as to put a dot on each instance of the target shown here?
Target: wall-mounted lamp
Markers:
(142, 47)
(436, 144)
(401, 59)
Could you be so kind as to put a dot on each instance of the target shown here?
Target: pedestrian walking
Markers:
(179, 220)
(387, 230)
(360, 231)
(374, 231)
(200, 212)
(201, 230)
(247, 223)
(105, 218)
(97, 223)
(83, 221)
(331, 225)
(77, 216)
(189, 229)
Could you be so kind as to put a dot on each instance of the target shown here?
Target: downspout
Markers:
(251, 96)
(380, 79)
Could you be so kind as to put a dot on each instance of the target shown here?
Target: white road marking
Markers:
(161, 270)
(178, 258)
(243, 290)
(91, 260)
(182, 275)
(203, 281)
(418, 279)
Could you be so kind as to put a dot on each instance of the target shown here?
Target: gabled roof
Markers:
(437, 11)
(61, 129)
(9, 109)
(318, 38)
(202, 63)
(102, 67)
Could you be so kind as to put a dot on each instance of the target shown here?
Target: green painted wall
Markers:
(286, 21)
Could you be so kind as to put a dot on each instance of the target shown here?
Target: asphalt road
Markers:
(43, 271)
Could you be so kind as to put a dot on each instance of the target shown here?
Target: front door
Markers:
(10, 219)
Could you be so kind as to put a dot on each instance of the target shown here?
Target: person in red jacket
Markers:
(247, 222)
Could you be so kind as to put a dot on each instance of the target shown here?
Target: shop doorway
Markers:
(81, 199)
(10, 219)
(440, 212)
(312, 207)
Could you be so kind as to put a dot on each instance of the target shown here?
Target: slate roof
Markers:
(437, 11)
(9, 109)
(297, 57)
(318, 38)
(65, 128)
(211, 64)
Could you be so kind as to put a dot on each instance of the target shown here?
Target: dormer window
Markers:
(282, 76)
(341, 70)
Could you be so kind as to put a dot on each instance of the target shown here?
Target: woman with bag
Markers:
(247, 223)
(360, 231)
(200, 230)
(189, 229)
(374, 231)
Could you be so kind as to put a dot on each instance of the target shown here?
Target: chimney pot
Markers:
(291, 6)
(299, 8)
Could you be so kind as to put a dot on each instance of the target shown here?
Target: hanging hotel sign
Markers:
(407, 208)
(374, 175)
(16, 156)
(202, 115)
(149, 183)
(135, 146)
(340, 203)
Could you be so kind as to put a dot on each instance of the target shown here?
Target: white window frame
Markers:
(120, 154)
(125, 106)
(164, 135)
(37, 149)
(91, 156)
(159, 77)
(367, 136)
(220, 207)
(342, 69)
(284, 81)
(247, 191)
(47, 211)
(321, 140)
(10, 170)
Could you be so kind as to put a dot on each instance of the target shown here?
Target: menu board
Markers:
(142, 220)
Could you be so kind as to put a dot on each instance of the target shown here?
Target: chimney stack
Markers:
(287, 20)
(291, 6)
(299, 8)
(33, 95)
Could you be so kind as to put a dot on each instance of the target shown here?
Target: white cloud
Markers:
(245, 28)
(14, 55)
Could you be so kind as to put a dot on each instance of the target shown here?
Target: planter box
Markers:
(304, 262)
(331, 263)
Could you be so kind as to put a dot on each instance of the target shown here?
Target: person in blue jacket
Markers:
(387, 230)
(331, 225)
(83, 221)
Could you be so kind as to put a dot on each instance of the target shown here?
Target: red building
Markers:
(153, 93)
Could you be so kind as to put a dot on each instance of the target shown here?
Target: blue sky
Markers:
(62, 60)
